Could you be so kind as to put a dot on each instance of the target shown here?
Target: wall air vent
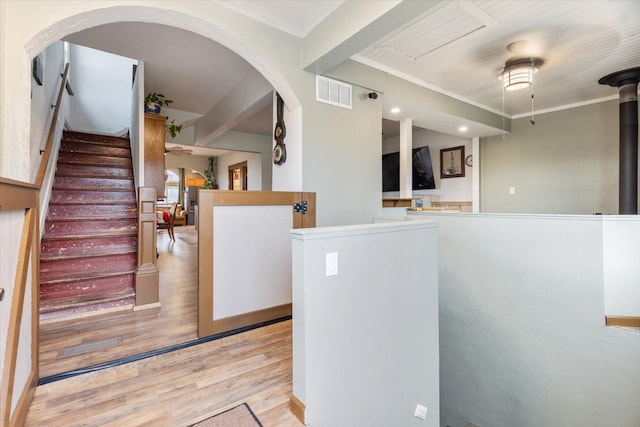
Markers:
(333, 92)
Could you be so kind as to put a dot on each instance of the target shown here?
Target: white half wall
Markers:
(621, 247)
(365, 341)
(522, 334)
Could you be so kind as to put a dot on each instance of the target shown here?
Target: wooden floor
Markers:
(174, 389)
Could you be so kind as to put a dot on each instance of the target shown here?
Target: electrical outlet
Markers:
(421, 412)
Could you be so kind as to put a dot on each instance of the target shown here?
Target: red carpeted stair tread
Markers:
(74, 229)
(74, 197)
(89, 245)
(89, 211)
(95, 149)
(90, 285)
(102, 171)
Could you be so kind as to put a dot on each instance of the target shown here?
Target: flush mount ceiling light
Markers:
(518, 72)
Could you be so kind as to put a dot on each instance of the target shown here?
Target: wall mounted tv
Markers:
(422, 170)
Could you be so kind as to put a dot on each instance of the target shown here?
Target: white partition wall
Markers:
(365, 324)
(256, 236)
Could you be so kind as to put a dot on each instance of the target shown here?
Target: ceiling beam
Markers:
(243, 101)
(354, 26)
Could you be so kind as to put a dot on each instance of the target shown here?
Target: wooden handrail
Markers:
(52, 129)
(16, 196)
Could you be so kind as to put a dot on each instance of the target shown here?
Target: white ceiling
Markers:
(457, 48)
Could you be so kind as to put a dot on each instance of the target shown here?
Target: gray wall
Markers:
(341, 152)
(567, 163)
(102, 91)
(522, 335)
(366, 340)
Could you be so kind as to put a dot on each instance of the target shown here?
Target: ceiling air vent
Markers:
(333, 92)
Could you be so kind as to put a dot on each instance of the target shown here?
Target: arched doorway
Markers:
(91, 18)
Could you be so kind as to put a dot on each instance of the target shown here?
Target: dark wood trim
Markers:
(622, 321)
(243, 166)
(297, 408)
(206, 200)
(247, 319)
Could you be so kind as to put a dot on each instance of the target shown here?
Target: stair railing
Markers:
(48, 162)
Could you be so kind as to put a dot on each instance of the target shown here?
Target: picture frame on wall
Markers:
(452, 162)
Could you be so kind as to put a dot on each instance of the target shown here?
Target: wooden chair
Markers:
(169, 225)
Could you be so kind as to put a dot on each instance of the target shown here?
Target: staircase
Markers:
(88, 252)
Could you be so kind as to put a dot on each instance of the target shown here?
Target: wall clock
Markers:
(280, 150)
(468, 160)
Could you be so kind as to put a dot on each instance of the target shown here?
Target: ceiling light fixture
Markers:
(395, 110)
(463, 129)
(518, 72)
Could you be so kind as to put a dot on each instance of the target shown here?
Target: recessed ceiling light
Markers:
(463, 128)
(395, 110)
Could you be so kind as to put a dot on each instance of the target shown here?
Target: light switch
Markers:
(332, 263)
(512, 190)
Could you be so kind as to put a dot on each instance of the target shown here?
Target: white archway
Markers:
(16, 162)
(173, 18)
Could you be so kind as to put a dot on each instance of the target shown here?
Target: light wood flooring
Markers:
(67, 345)
(173, 389)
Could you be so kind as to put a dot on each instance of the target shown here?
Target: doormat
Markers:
(240, 416)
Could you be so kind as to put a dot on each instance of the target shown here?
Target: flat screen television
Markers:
(422, 169)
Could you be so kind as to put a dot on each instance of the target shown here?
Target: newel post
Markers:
(147, 275)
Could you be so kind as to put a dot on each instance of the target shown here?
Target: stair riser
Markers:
(92, 211)
(99, 197)
(74, 268)
(114, 141)
(99, 149)
(52, 312)
(92, 159)
(92, 288)
(101, 184)
(57, 229)
(93, 171)
(88, 246)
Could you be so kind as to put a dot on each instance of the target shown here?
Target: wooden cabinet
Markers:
(154, 136)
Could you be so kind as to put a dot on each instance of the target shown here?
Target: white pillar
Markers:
(406, 144)
(475, 177)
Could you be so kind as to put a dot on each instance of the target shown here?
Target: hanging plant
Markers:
(173, 129)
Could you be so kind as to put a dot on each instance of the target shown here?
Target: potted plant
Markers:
(154, 102)
(210, 176)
